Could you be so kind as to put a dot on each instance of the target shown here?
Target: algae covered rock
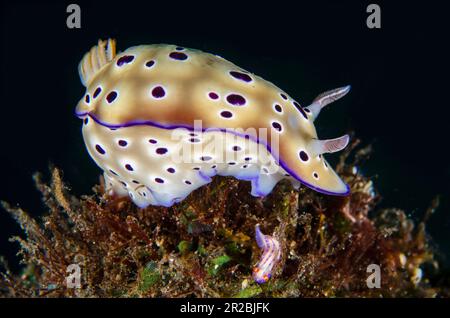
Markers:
(205, 247)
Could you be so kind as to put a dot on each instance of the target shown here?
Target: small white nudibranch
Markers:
(271, 255)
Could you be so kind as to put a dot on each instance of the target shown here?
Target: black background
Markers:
(398, 102)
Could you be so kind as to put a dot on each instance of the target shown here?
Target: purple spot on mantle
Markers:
(283, 96)
(97, 91)
(178, 56)
(125, 60)
(159, 180)
(213, 95)
(278, 108)
(161, 151)
(111, 97)
(87, 99)
(150, 63)
(122, 143)
(277, 126)
(226, 114)
(100, 149)
(129, 167)
(152, 141)
(241, 76)
(171, 170)
(158, 92)
(303, 155)
(236, 99)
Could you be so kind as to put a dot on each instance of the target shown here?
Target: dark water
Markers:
(398, 100)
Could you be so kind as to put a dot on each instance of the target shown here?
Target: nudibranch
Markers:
(271, 254)
(162, 120)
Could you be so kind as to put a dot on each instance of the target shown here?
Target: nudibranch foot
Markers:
(271, 255)
(156, 166)
(263, 184)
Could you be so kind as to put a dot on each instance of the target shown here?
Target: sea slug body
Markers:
(271, 255)
(162, 120)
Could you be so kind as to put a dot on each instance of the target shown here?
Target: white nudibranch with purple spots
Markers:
(162, 120)
(271, 254)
